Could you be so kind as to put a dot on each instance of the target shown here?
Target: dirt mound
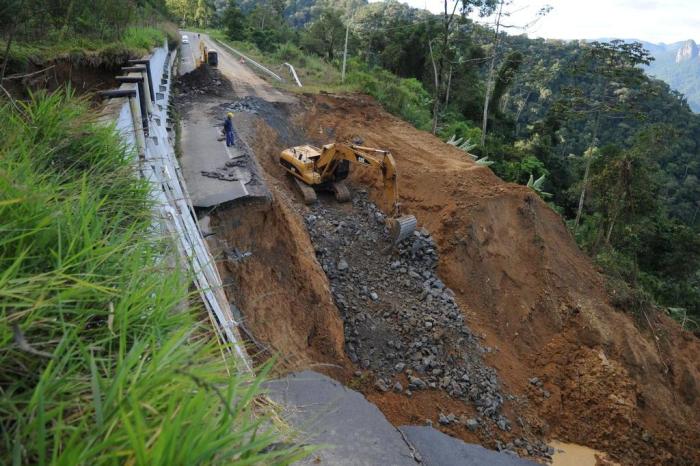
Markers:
(204, 80)
(522, 281)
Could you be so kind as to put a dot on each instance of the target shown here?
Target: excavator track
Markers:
(341, 191)
(307, 192)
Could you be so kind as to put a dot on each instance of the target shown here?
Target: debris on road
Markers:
(203, 81)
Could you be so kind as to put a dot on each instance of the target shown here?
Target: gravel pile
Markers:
(202, 81)
(401, 321)
(400, 318)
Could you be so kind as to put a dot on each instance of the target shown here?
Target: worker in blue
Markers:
(228, 129)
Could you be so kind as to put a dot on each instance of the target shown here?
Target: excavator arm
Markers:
(313, 167)
(331, 154)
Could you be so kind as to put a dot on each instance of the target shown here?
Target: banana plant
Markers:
(536, 185)
(464, 144)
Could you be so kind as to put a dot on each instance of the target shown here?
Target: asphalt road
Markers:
(202, 121)
(245, 81)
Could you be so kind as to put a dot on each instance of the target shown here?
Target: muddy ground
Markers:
(567, 365)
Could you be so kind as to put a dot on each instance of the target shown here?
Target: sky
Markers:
(656, 21)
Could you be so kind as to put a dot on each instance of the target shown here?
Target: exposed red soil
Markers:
(281, 287)
(624, 387)
(618, 386)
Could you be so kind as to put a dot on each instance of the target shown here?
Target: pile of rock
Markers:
(401, 321)
(247, 104)
(204, 80)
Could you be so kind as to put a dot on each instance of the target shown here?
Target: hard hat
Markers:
(229, 114)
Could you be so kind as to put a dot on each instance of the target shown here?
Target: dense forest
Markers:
(613, 150)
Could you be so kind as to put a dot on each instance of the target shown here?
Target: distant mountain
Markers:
(678, 64)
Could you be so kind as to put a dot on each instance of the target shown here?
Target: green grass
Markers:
(111, 369)
(135, 42)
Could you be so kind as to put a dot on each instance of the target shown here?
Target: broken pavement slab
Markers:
(202, 152)
(438, 449)
(351, 431)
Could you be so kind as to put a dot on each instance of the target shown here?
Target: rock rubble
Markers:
(400, 318)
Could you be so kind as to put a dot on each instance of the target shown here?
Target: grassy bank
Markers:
(136, 41)
(101, 365)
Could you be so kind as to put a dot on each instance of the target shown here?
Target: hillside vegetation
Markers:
(614, 151)
(92, 34)
(682, 75)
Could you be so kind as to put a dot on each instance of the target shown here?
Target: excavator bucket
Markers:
(401, 228)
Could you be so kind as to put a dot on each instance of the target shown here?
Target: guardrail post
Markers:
(140, 69)
(138, 80)
(147, 63)
(136, 121)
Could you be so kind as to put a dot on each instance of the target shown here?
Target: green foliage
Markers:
(403, 97)
(325, 36)
(234, 21)
(142, 38)
(460, 129)
(101, 364)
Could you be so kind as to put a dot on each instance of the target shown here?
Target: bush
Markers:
(403, 97)
(289, 52)
(143, 38)
(460, 129)
(100, 364)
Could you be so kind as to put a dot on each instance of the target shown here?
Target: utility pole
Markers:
(345, 52)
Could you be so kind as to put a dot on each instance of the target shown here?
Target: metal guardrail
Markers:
(294, 73)
(246, 58)
(173, 211)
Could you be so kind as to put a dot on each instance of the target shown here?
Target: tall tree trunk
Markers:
(439, 70)
(449, 84)
(436, 104)
(616, 215)
(520, 110)
(587, 172)
(489, 82)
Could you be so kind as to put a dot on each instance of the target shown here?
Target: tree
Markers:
(203, 13)
(234, 21)
(490, 83)
(612, 70)
(325, 36)
(445, 54)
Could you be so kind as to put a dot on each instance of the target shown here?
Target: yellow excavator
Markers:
(326, 168)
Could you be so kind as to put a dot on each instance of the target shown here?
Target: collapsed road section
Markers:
(528, 303)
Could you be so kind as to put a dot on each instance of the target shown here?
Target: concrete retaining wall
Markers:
(173, 215)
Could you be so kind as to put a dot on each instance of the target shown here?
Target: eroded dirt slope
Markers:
(581, 370)
(522, 281)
